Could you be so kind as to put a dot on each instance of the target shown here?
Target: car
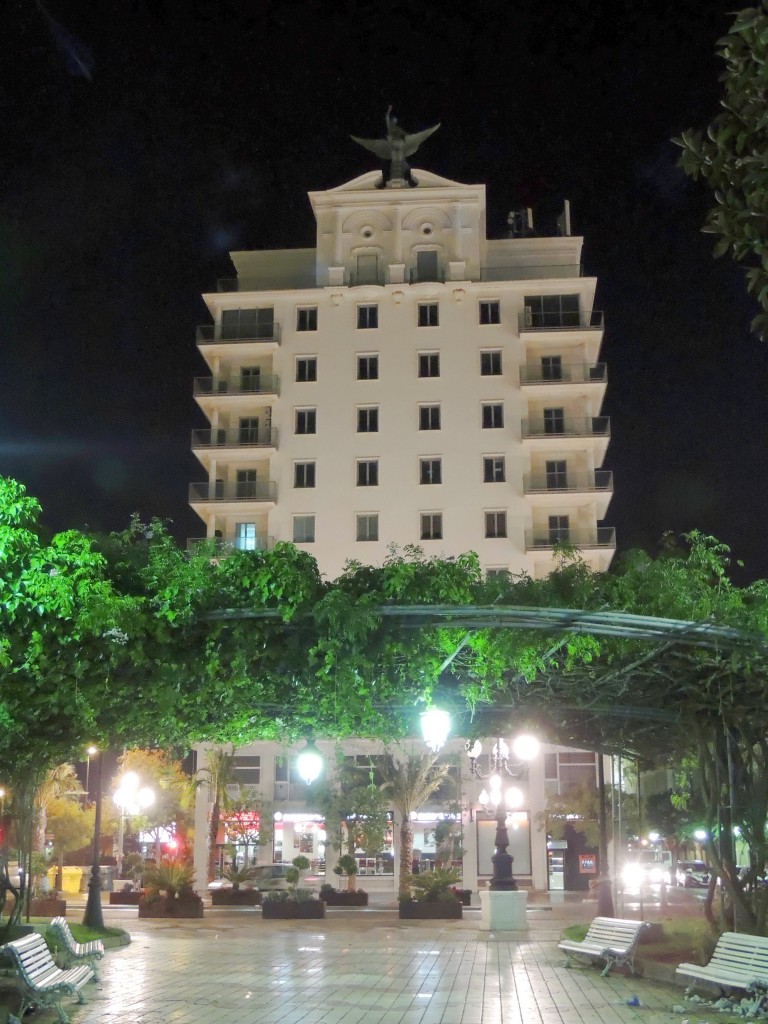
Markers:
(692, 874)
(273, 876)
(648, 867)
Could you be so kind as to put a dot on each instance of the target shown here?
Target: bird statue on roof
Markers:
(396, 147)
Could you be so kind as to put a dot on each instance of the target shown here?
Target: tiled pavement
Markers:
(358, 966)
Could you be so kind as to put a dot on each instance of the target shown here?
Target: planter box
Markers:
(345, 899)
(413, 911)
(235, 897)
(47, 908)
(172, 908)
(125, 899)
(464, 896)
(290, 910)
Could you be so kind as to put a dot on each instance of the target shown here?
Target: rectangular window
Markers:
(429, 364)
(368, 419)
(248, 430)
(306, 319)
(556, 472)
(495, 524)
(430, 471)
(306, 421)
(240, 324)
(367, 316)
(247, 769)
(306, 368)
(490, 364)
(303, 529)
(429, 417)
(551, 312)
(245, 483)
(494, 469)
(245, 536)
(427, 265)
(559, 529)
(367, 527)
(368, 473)
(554, 421)
(551, 367)
(431, 526)
(490, 312)
(304, 474)
(428, 314)
(497, 572)
(367, 367)
(493, 415)
(250, 379)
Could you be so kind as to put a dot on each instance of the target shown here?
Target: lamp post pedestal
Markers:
(503, 910)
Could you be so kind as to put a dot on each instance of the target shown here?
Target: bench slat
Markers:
(42, 982)
(738, 961)
(608, 938)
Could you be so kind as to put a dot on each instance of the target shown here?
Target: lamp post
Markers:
(93, 916)
(524, 748)
(132, 798)
(309, 763)
(89, 753)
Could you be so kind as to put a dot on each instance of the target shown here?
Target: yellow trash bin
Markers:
(70, 882)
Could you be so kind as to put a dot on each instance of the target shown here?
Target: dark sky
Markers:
(143, 140)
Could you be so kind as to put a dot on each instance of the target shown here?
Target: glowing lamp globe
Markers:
(309, 763)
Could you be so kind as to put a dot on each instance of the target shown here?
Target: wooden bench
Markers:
(42, 983)
(612, 939)
(738, 961)
(74, 953)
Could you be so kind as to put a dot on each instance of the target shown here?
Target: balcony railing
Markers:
(285, 282)
(600, 537)
(218, 546)
(568, 373)
(528, 273)
(425, 277)
(564, 320)
(218, 334)
(238, 490)
(569, 426)
(238, 437)
(265, 384)
(546, 483)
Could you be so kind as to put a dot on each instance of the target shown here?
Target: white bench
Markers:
(612, 939)
(74, 953)
(42, 983)
(738, 961)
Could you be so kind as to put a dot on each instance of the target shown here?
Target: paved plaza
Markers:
(359, 967)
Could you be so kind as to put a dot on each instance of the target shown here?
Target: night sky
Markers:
(143, 141)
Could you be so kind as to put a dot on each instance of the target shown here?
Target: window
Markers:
(248, 323)
(306, 421)
(490, 312)
(556, 473)
(559, 529)
(368, 419)
(551, 311)
(429, 364)
(426, 265)
(306, 319)
(367, 268)
(367, 367)
(303, 529)
(554, 421)
(494, 469)
(428, 314)
(497, 572)
(490, 364)
(306, 368)
(250, 378)
(245, 536)
(367, 527)
(248, 430)
(304, 474)
(367, 316)
(495, 524)
(245, 483)
(429, 417)
(551, 367)
(493, 415)
(431, 471)
(246, 770)
(431, 526)
(368, 473)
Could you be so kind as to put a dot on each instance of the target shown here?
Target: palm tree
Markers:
(218, 769)
(61, 781)
(410, 783)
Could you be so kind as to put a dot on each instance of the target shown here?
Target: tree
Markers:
(732, 154)
(174, 791)
(248, 823)
(410, 782)
(353, 807)
(218, 773)
(71, 826)
(59, 782)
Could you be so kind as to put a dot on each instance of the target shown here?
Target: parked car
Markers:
(693, 874)
(648, 867)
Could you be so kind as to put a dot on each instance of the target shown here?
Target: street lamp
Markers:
(93, 917)
(88, 754)
(524, 748)
(309, 763)
(435, 726)
(132, 798)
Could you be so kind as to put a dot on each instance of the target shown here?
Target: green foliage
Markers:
(347, 865)
(732, 154)
(172, 877)
(434, 886)
(239, 876)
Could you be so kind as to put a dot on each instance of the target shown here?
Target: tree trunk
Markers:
(213, 832)
(406, 858)
(351, 883)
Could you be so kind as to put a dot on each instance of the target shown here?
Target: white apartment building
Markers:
(406, 381)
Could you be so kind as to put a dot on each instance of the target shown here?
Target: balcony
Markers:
(568, 426)
(219, 546)
(238, 334)
(265, 384)
(232, 491)
(568, 483)
(237, 437)
(543, 540)
(562, 320)
(531, 273)
(285, 282)
(568, 373)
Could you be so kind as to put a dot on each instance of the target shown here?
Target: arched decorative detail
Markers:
(360, 219)
(416, 219)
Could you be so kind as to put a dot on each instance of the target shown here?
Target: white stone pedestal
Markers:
(503, 911)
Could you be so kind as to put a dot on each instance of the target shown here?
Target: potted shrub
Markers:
(431, 896)
(169, 892)
(351, 896)
(464, 896)
(128, 893)
(293, 902)
(44, 901)
(233, 895)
